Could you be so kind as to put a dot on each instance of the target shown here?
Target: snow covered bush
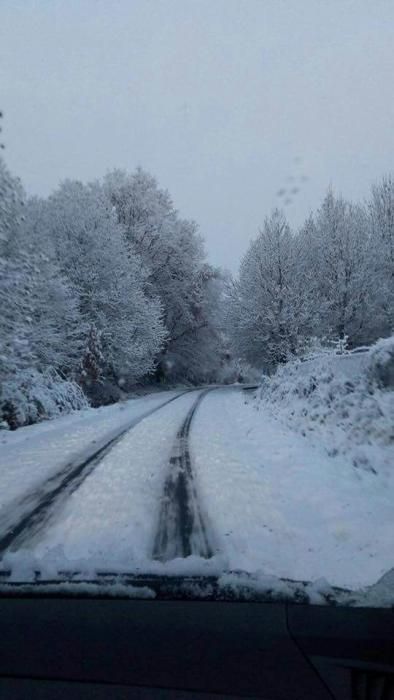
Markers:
(380, 367)
(345, 402)
(31, 396)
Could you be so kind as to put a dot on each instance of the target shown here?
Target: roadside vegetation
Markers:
(104, 286)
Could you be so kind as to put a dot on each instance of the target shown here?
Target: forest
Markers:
(104, 286)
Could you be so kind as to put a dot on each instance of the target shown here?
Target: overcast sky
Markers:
(222, 100)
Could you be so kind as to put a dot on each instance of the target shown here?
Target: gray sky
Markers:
(222, 100)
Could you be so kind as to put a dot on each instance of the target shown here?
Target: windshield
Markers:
(197, 300)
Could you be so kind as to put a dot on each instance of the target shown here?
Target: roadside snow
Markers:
(343, 403)
(280, 505)
(32, 396)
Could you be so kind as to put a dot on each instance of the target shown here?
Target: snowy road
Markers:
(199, 483)
(104, 511)
(28, 516)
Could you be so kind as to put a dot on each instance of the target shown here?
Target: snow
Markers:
(341, 403)
(109, 522)
(32, 454)
(288, 519)
(347, 365)
(87, 589)
(281, 506)
(380, 368)
(32, 396)
(266, 587)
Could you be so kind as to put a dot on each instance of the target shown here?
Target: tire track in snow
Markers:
(28, 516)
(181, 529)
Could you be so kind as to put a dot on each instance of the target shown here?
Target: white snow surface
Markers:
(109, 522)
(32, 454)
(344, 403)
(280, 505)
(276, 504)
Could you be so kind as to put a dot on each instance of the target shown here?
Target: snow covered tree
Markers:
(92, 360)
(11, 207)
(381, 210)
(172, 253)
(34, 305)
(332, 282)
(57, 329)
(17, 279)
(195, 351)
(265, 315)
(108, 278)
(341, 269)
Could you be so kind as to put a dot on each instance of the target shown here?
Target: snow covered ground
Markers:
(32, 454)
(345, 403)
(281, 506)
(277, 505)
(109, 522)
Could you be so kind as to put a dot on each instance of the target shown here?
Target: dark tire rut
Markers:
(182, 529)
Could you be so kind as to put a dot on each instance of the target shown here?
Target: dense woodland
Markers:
(333, 280)
(103, 286)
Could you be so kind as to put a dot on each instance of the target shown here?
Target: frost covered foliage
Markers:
(267, 316)
(102, 285)
(11, 203)
(37, 311)
(333, 279)
(172, 253)
(380, 368)
(32, 396)
(108, 278)
(345, 402)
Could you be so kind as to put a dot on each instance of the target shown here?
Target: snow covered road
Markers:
(203, 485)
(109, 521)
(28, 515)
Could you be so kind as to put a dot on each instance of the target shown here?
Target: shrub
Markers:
(32, 396)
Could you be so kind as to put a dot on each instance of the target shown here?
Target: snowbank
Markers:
(32, 396)
(344, 402)
(380, 369)
(279, 506)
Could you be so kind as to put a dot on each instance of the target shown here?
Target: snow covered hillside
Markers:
(344, 403)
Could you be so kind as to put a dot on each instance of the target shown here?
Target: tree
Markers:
(266, 316)
(12, 199)
(341, 269)
(17, 278)
(108, 278)
(92, 360)
(57, 329)
(381, 209)
(172, 253)
(195, 353)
